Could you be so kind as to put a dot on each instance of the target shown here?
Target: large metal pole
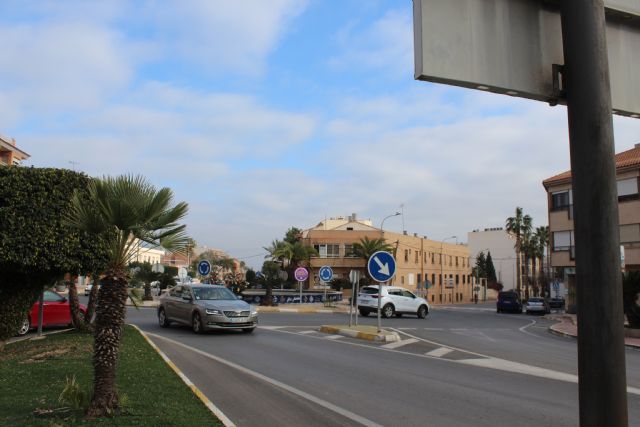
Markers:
(601, 358)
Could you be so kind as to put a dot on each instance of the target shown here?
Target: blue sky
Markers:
(268, 114)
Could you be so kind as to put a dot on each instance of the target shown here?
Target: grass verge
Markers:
(34, 373)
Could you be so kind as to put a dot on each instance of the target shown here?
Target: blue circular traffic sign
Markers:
(381, 266)
(204, 267)
(325, 273)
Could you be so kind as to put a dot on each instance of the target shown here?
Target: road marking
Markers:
(522, 329)
(439, 352)
(407, 329)
(321, 402)
(334, 337)
(271, 328)
(400, 343)
(307, 332)
(433, 329)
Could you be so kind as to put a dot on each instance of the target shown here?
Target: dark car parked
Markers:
(556, 303)
(508, 301)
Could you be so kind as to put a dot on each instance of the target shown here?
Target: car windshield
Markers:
(213, 294)
(370, 291)
(536, 300)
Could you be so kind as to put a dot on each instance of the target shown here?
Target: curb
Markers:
(213, 408)
(377, 337)
(554, 331)
(262, 309)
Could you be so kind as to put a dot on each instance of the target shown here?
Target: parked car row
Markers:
(509, 301)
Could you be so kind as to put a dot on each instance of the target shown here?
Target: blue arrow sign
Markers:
(204, 267)
(326, 273)
(381, 266)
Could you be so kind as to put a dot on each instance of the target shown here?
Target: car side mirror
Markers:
(186, 298)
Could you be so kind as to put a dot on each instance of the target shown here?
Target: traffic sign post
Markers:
(325, 274)
(301, 274)
(382, 268)
(204, 268)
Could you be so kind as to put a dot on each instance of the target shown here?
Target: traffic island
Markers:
(363, 332)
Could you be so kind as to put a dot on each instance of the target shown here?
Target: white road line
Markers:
(439, 352)
(307, 332)
(407, 329)
(271, 328)
(400, 343)
(334, 337)
(433, 329)
(522, 329)
(321, 402)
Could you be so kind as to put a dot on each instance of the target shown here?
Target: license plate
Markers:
(238, 320)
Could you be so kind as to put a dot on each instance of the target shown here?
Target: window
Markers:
(561, 200)
(628, 189)
(630, 233)
(419, 278)
(562, 240)
(417, 255)
(457, 261)
(402, 280)
(52, 297)
(457, 279)
(406, 255)
(348, 251)
(408, 294)
(433, 279)
(328, 251)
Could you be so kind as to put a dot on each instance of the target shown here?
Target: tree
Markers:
(126, 208)
(36, 247)
(480, 270)
(292, 235)
(517, 226)
(144, 273)
(542, 241)
(250, 275)
(490, 269)
(270, 278)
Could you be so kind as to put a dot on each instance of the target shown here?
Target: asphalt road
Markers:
(459, 367)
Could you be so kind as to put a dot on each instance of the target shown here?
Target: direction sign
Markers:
(182, 273)
(381, 266)
(204, 267)
(301, 274)
(325, 273)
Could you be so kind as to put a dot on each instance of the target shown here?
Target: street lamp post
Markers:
(442, 262)
(380, 283)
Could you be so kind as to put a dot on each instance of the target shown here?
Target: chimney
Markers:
(404, 232)
(637, 145)
(354, 217)
(415, 234)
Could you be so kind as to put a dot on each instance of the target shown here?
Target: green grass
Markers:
(33, 374)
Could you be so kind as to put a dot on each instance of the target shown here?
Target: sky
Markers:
(264, 115)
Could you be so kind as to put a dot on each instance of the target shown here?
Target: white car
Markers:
(395, 300)
(87, 289)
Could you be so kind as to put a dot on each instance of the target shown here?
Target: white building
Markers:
(501, 245)
(143, 252)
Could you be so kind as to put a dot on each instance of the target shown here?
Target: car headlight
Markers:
(254, 313)
(212, 311)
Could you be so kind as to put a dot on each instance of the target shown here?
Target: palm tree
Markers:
(367, 247)
(122, 209)
(542, 239)
(518, 226)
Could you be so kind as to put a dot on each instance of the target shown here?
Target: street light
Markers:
(442, 262)
(380, 283)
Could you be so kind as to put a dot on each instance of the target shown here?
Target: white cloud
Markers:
(387, 44)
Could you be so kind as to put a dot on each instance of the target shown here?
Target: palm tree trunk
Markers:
(518, 269)
(73, 306)
(268, 297)
(93, 298)
(108, 333)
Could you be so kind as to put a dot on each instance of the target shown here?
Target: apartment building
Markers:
(560, 202)
(10, 155)
(445, 266)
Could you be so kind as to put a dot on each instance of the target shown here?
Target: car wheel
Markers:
(24, 327)
(422, 312)
(498, 310)
(247, 330)
(387, 311)
(196, 324)
(162, 319)
(364, 313)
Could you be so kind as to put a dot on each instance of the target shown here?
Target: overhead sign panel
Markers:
(511, 46)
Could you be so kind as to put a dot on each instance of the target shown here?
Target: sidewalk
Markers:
(568, 327)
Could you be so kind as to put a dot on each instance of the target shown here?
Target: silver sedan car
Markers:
(206, 307)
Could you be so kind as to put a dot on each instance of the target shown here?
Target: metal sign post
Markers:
(301, 274)
(601, 352)
(382, 268)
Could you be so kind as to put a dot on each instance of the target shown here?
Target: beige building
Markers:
(560, 202)
(10, 155)
(444, 265)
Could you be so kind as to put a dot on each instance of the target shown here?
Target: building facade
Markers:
(560, 203)
(10, 155)
(502, 247)
(443, 267)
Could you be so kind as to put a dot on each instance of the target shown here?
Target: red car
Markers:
(56, 312)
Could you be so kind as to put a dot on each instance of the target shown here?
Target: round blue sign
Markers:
(326, 273)
(204, 267)
(381, 266)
